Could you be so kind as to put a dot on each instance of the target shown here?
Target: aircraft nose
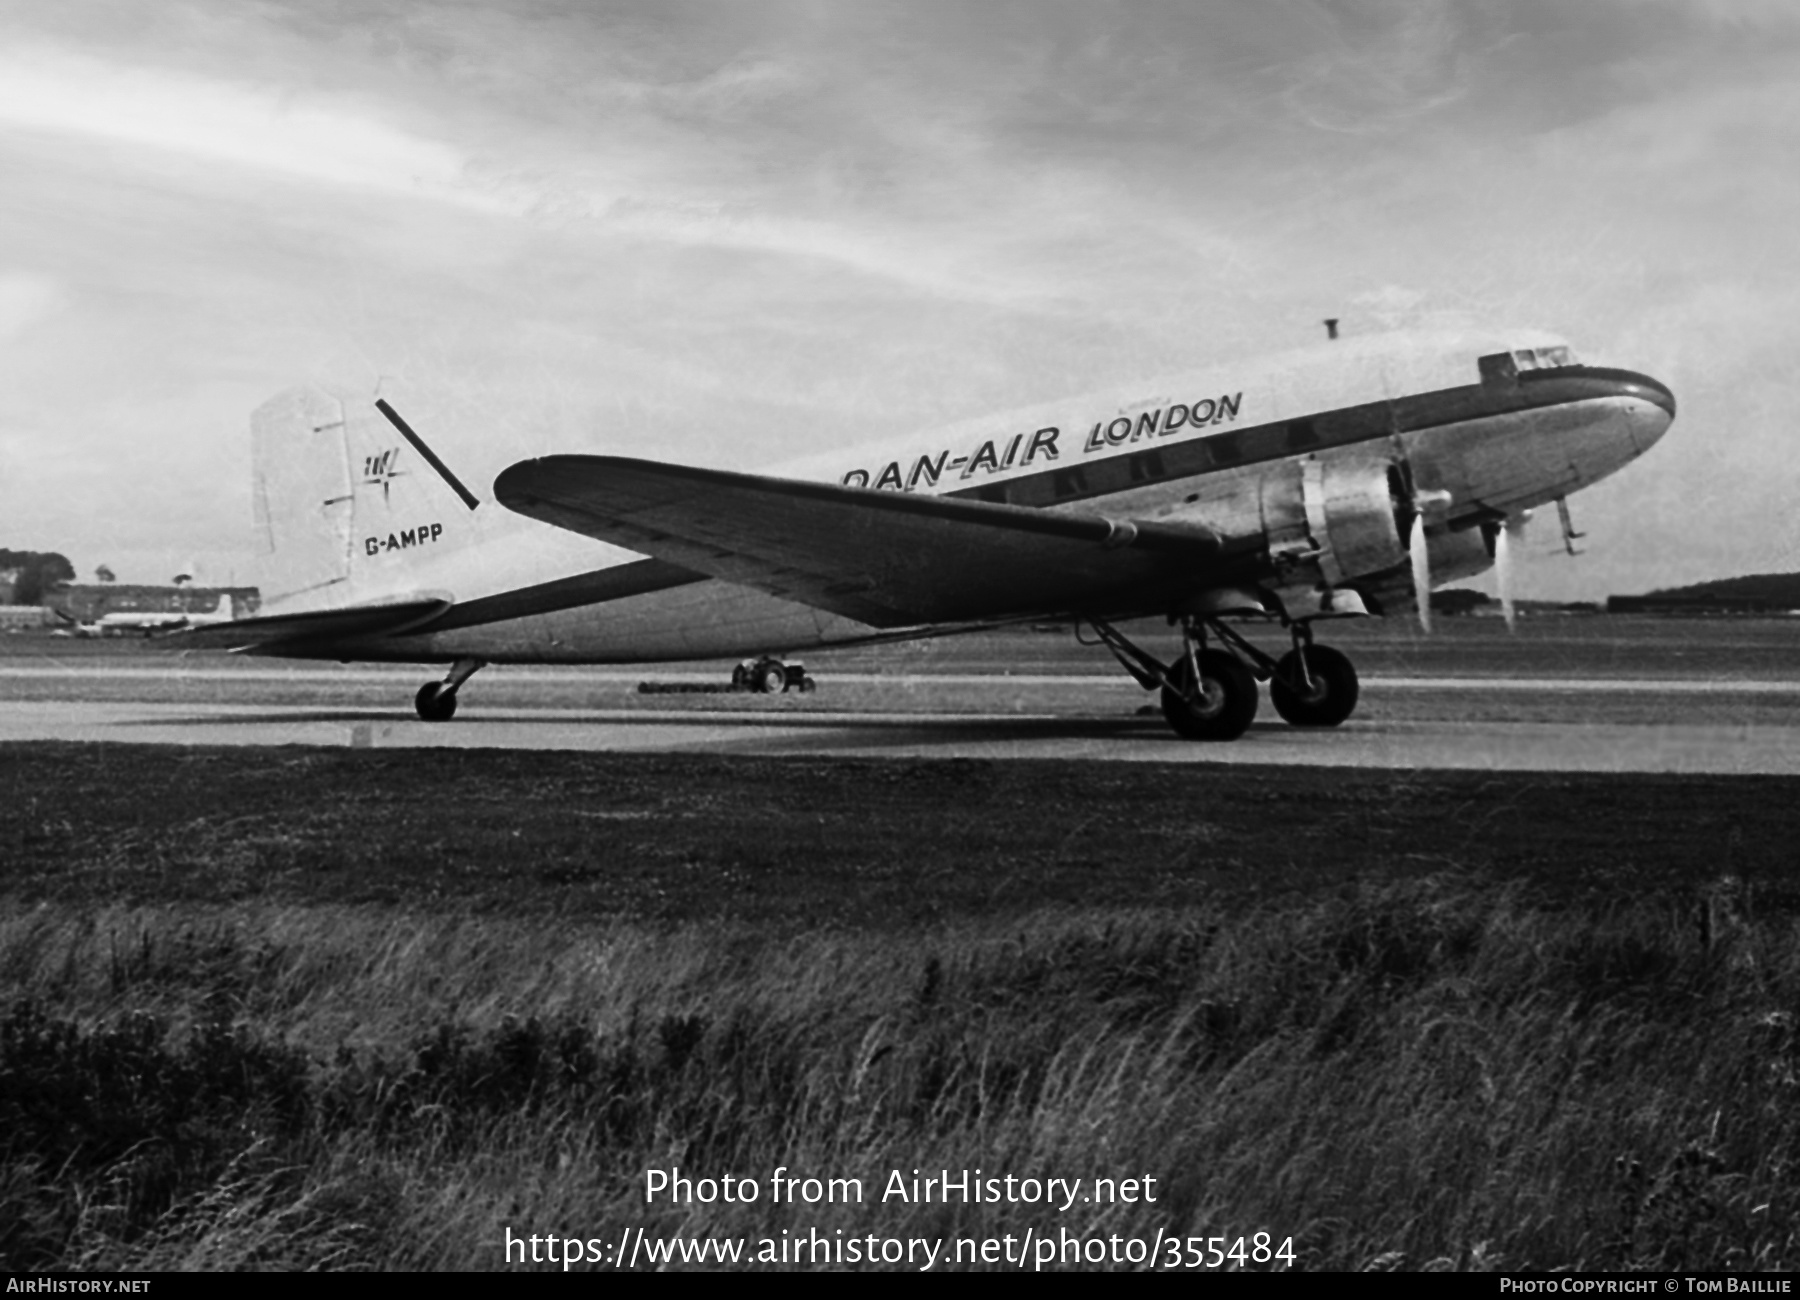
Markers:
(1650, 408)
(1654, 391)
(1651, 418)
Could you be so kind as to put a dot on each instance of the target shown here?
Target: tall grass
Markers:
(1425, 1075)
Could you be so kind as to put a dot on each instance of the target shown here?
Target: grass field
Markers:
(343, 1008)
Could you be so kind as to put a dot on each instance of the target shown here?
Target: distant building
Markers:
(14, 618)
(9, 585)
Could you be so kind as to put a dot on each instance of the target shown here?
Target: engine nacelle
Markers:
(1329, 525)
(1336, 524)
(1458, 554)
(1349, 528)
(1353, 515)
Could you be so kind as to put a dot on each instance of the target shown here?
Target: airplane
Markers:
(1340, 480)
(147, 622)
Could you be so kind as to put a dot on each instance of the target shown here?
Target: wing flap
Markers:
(888, 559)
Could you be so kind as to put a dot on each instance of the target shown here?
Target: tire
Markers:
(434, 703)
(1227, 698)
(1334, 693)
(771, 677)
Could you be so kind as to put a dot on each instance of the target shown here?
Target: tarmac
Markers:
(1694, 723)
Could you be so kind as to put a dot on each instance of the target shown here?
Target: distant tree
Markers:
(1458, 600)
(103, 574)
(1781, 590)
(38, 572)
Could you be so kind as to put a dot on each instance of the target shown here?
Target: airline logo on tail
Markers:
(381, 470)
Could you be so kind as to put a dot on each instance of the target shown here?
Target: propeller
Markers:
(1507, 539)
(1419, 550)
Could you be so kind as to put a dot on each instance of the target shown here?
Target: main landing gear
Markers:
(436, 701)
(1209, 691)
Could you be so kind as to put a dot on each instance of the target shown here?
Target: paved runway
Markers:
(1694, 724)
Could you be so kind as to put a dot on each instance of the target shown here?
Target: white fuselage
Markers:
(1487, 424)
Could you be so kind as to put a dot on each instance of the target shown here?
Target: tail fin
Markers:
(348, 512)
(300, 482)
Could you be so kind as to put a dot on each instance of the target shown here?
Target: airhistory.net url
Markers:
(637, 1248)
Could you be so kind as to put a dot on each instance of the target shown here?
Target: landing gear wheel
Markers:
(1223, 706)
(771, 677)
(1333, 694)
(434, 703)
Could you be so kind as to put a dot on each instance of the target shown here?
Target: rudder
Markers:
(301, 496)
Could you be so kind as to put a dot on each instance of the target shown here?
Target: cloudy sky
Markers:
(733, 232)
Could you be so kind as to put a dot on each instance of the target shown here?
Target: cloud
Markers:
(604, 181)
(1728, 13)
(237, 124)
(724, 232)
(1380, 62)
(25, 297)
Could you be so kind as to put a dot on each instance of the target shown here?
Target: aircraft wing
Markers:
(889, 559)
(314, 625)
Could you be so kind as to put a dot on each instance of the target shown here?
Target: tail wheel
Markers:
(1220, 706)
(1332, 697)
(434, 703)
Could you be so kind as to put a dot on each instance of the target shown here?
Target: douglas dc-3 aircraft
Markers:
(1337, 481)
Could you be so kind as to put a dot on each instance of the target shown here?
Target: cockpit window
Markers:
(1543, 358)
(1498, 368)
(1504, 367)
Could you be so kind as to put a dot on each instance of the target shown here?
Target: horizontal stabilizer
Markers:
(889, 559)
(320, 624)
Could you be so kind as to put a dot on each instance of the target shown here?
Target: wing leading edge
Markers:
(888, 559)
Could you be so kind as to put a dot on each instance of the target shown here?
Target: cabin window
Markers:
(1302, 434)
(1068, 482)
(1225, 448)
(995, 492)
(1146, 466)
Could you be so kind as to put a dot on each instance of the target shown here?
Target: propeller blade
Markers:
(1421, 569)
(1424, 501)
(1506, 543)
